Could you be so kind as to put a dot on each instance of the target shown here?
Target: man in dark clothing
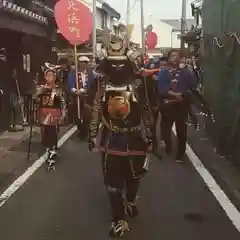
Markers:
(174, 86)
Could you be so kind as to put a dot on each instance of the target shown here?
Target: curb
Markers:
(225, 173)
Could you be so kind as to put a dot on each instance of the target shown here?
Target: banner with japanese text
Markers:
(74, 20)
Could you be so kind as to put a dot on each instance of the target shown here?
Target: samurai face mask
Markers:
(120, 72)
(118, 62)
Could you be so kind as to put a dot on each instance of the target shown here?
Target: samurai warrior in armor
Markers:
(120, 116)
(51, 112)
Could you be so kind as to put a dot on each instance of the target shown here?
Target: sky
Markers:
(157, 9)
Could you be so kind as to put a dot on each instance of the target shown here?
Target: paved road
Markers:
(71, 203)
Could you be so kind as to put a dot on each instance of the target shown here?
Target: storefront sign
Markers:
(28, 61)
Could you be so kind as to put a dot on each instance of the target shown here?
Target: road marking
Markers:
(218, 193)
(231, 211)
(31, 170)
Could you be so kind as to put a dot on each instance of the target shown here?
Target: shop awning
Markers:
(20, 25)
(20, 19)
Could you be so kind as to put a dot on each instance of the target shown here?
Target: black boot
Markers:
(131, 209)
(130, 201)
(168, 148)
(82, 130)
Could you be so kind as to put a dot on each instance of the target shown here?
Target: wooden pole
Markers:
(143, 30)
(128, 13)
(183, 23)
(77, 82)
(94, 35)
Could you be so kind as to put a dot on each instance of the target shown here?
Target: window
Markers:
(26, 62)
(103, 19)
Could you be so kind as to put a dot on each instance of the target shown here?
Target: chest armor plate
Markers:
(50, 100)
(49, 108)
(118, 101)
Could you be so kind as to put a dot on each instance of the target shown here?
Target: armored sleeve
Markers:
(62, 99)
(63, 103)
(146, 112)
(96, 113)
(39, 91)
(146, 118)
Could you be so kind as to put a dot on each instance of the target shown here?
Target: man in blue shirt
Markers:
(174, 86)
(86, 79)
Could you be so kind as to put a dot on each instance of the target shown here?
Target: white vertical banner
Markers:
(94, 31)
(28, 63)
(143, 29)
(24, 58)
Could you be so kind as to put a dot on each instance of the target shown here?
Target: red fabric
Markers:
(152, 40)
(49, 116)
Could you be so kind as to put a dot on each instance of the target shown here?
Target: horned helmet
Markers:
(117, 59)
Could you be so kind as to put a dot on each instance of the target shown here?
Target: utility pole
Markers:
(183, 22)
(202, 36)
(128, 13)
(143, 29)
(94, 32)
(128, 21)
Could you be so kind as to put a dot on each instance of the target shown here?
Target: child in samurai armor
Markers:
(51, 114)
(120, 107)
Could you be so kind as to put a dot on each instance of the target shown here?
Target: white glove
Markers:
(82, 90)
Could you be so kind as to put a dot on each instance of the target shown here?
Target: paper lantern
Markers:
(151, 40)
(74, 20)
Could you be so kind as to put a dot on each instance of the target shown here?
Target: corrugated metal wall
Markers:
(222, 70)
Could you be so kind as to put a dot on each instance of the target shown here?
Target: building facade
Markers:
(167, 30)
(106, 16)
(23, 26)
(167, 38)
(194, 36)
(107, 19)
(221, 63)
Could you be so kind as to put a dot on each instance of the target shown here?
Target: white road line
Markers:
(218, 193)
(31, 170)
(231, 211)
